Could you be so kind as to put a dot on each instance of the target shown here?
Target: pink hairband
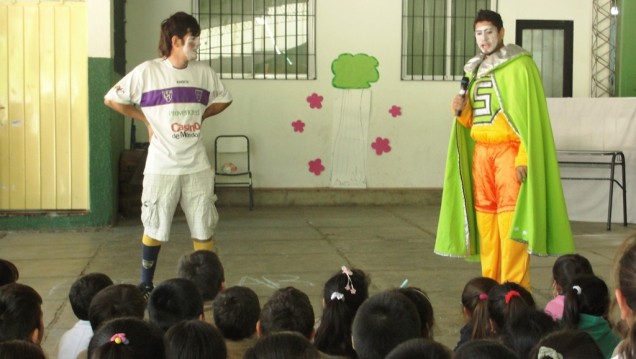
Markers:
(119, 338)
(483, 296)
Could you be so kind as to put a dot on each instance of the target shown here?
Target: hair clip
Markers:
(119, 338)
(577, 289)
(549, 352)
(337, 296)
(346, 271)
(510, 294)
(483, 296)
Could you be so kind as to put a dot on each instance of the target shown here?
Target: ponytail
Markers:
(479, 319)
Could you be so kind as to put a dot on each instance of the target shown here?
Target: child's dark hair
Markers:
(8, 272)
(333, 336)
(382, 322)
(193, 339)
(84, 289)
(587, 294)
(178, 24)
(569, 344)
(506, 302)
(20, 349)
(20, 312)
(288, 309)
(205, 270)
(283, 345)
(174, 300)
(484, 349)
(127, 338)
(420, 348)
(489, 15)
(116, 301)
(236, 311)
(522, 333)
(424, 309)
(475, 300)
(625, 278)
(567, 267)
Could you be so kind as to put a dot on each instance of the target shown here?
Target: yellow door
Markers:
(43, 106)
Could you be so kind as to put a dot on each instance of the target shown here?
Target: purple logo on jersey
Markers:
(198, 94)
(167, 95)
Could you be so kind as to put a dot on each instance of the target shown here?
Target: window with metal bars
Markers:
(258, 39)
(438, 37)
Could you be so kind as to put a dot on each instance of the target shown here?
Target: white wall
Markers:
(264, 109)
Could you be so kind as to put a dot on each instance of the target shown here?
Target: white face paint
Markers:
(191, 47)
(487, 38)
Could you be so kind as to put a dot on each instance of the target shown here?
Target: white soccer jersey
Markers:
(173, 100)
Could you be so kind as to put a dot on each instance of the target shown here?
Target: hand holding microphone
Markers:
(459, 100)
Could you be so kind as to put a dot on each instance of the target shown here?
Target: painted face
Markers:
(191, 47)
(487, 38)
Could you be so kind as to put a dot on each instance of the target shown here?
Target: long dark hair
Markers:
(333, 336)
(586, 294)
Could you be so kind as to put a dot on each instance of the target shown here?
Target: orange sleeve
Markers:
(466, 117)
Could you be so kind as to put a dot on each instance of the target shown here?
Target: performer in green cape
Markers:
(502, 196)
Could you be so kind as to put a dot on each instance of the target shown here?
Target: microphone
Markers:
(463, 87)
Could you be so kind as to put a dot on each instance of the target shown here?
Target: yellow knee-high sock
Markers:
(207, 245)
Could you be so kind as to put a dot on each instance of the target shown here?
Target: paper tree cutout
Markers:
(354, 71)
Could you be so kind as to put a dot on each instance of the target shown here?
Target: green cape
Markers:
(541, 217)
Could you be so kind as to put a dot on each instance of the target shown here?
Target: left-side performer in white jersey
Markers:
(172, 95)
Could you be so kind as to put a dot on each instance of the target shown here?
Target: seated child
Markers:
(116, 301)
(383, 322)
(194, 339)
(8, 272)
(424, 309)
(205, 270)
(342, 295)
(586, 309)
(484, 349)
(20, 313)
(236, 312)
(288, 309)
(127, 338)
(75, 340)
(506, 302)
(475, 309)
(564, 269)
(419, 348)
(283, 345)
(174, 300)
(522, 333)
(567, 344)
(20, 349)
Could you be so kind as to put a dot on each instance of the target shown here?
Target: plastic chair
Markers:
(232, 163)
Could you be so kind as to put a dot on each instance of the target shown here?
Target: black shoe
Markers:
(145, 289)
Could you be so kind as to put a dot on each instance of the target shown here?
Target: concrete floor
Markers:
(272, 247)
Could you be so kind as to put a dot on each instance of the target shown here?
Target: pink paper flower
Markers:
(381, 145)
(315, 100)
(316, 166)
(395, 111)
(298, 125)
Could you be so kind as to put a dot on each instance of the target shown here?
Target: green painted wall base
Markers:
(626, 51)
(105, 131)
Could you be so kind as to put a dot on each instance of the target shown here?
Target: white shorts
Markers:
(195, 193)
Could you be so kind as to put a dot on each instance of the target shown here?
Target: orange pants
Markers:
(496, 190)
